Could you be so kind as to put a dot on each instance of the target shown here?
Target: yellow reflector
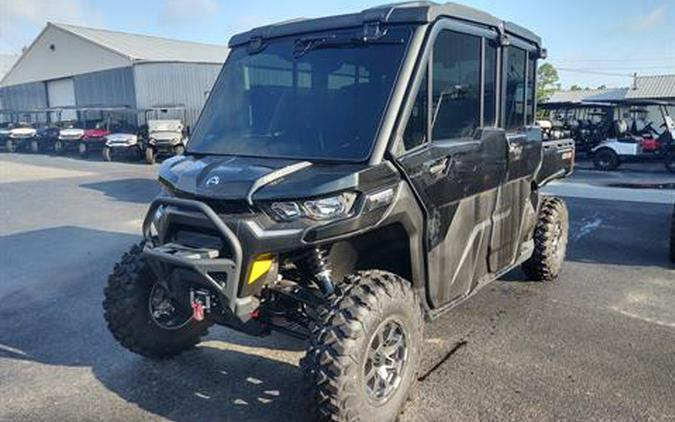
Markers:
(260, 267)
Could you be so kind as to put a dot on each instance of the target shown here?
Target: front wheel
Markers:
(141, 314)
(106, 153)
(82, 150)
(10, 146)
(58, 147)
(364, 351)
(670, 161)
(550, 241)
(150, 155)
(606, 159)
(34, 147)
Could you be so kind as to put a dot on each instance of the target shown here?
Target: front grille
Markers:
(219, 206)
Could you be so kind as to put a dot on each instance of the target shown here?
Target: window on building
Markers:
(514, 109)
(416, 130)
(490, 89)
(455, 85)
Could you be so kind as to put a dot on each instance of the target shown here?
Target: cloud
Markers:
(21, 20)
(649, 21)
(184, 11)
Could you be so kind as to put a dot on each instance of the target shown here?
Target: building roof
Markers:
(6, 63)
(596, 95)
(149, 48)
(659, 86)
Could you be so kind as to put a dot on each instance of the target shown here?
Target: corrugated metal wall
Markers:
(24, 96)
(185, 83)
(114, 87)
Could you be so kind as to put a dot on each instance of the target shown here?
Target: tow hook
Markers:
(200, 300)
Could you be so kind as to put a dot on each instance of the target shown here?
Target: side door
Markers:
(516, 203)
(455, 158)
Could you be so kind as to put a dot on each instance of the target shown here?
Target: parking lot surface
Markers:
(595, 346)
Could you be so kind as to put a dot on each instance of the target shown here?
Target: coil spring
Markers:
(318, 261)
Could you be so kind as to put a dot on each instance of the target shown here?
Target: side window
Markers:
(531, 77)
(416, 130)
(456, 85)
(490, 90)
(515, 88)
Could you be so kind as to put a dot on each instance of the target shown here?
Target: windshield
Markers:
(307, 98)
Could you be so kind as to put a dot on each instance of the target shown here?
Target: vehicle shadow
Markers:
(50, 314)
(135, 190)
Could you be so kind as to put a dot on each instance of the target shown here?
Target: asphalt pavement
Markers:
(597, 345)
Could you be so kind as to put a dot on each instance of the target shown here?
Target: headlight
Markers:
(321, 209)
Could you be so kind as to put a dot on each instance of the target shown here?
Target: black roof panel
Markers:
(419, 12)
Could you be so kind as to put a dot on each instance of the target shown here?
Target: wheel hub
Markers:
(165, 312)
(385, 361)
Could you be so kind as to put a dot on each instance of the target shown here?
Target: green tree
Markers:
(576, 88)
(547, 82)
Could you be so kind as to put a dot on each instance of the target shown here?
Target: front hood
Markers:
(71, 133)
(231, 178)
(122, 138)
(23, 132)
(165, 135)
(96, 133)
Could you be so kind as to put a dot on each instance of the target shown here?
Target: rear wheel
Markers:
(150, 155)
(34, 147)
(606, 159)
(82, 149)
(142, 316)
(58, 147)
(106, 153)
(364, 352)
(10, 146)
(670, 161)
(550, 241)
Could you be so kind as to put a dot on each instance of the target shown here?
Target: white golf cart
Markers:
(167, 133)
(643, 130)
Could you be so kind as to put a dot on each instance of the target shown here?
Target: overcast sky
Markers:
(599, 41)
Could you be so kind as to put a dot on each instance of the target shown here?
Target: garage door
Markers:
(61, 93)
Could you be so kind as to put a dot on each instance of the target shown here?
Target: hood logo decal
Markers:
(213, 181)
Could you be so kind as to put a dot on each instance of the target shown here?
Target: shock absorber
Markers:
(320, 268)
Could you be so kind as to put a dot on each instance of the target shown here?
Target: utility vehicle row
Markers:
(112, 132)
(614, 132)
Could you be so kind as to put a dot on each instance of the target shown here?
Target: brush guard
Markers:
(204, 262)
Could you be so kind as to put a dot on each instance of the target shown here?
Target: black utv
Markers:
(349, 178)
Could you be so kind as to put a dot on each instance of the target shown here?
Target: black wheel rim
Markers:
(165, 312)
(385, 361)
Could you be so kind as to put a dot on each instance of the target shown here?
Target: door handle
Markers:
(438, 166)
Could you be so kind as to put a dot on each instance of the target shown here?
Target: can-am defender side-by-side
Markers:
(643, 130)
(167, 133)
(349, 178)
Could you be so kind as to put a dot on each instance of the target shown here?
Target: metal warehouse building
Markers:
(75, 66)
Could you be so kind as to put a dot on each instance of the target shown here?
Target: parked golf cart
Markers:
(108, 120)
(167, 133)
(47, 133)
(587, 123)
(641, 130)
(127, 141)
(7, 122)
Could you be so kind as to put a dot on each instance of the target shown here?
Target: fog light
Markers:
(261, 266)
